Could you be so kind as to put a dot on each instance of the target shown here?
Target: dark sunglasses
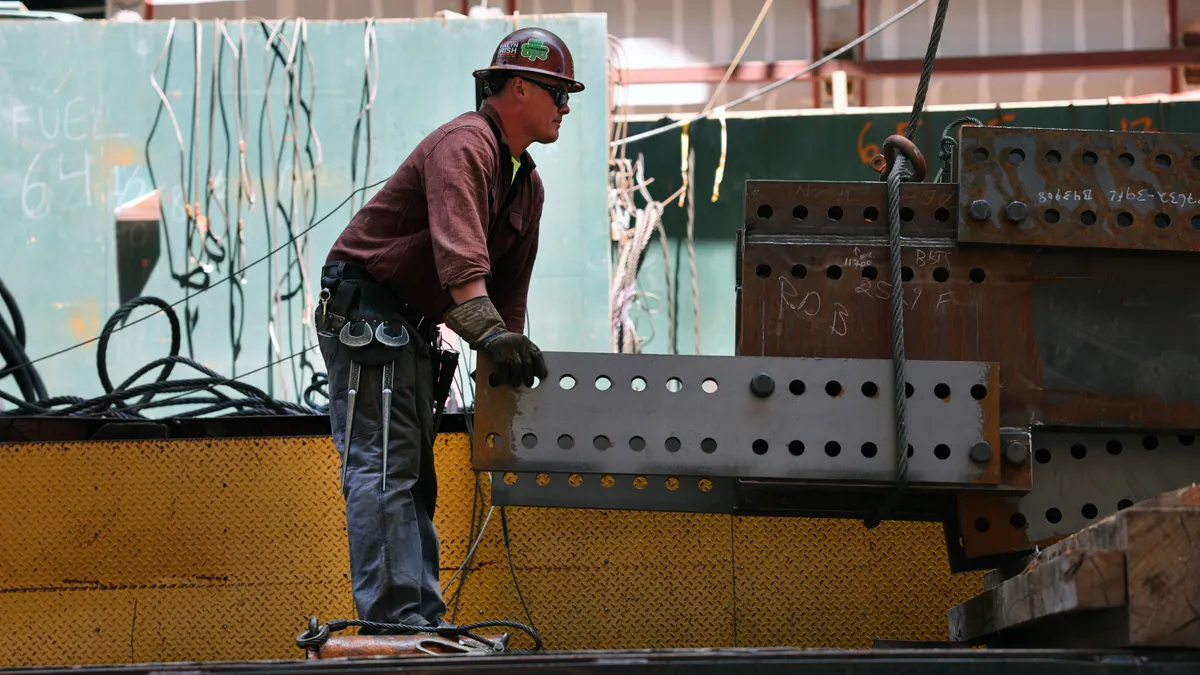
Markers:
(559, 94)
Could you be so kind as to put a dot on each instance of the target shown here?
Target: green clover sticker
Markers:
(534, 50)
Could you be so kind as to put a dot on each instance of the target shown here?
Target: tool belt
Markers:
(372, 322)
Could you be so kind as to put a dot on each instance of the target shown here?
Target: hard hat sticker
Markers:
(508, 49)
(534, 50)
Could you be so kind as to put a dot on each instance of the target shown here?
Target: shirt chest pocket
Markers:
(507, 233)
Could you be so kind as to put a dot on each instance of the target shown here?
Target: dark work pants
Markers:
(393, 544)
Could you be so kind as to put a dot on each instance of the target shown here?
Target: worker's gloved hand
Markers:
(517, 360)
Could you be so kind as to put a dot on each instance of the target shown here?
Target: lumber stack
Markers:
(1130, 580)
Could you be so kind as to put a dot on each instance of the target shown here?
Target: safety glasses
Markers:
(559, 94)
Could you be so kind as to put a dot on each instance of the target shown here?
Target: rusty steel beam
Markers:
(1039, 187)
(761, 72)
(1095, 339)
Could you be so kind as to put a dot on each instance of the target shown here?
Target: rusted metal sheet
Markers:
(1098, 340)
(1038, 187)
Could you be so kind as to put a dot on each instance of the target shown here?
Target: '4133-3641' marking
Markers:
(1117, 196)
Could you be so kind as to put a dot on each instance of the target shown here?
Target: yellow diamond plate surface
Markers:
(121, 552)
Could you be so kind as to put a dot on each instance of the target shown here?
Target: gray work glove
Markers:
(515, 356)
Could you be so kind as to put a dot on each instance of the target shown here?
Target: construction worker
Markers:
(450, 238)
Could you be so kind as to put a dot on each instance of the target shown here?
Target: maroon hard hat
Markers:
(534, 50)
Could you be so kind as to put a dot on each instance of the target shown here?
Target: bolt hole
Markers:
(759, 446)
(833, 272)
(977, 275)
(941, 451)
(796, 448)
(763, 271)
(942, 391)
(1163, 161)
(638, 384)
(1125, 219)
(1114, 447)
(906, 274)
(1053, 515)
(833, 448)
(1196, 222)
(870, 214)
(1187, 439)
(1017, 520)
(796, 387)
(906, 214)
(941, 215)
(800, 212)
(1078, 451)
(673, 444)
(1042, 456)
(908, 390)
(869, 272)
(982, 524)
(1150, 442)
(765, 211)
(1090, 158)
(1125, 159)
(1088, 217)
(979, 392)
(799, 271)
(980, 154)
(1162, 221)
(1053, 157)
(835, 213)
(637, 444)
(1089, 511)
(1016, 156)
(833, 388)
(566, 382)
(911, 451)
(870, 389)
(492, 439)
(601, 443)
(869, 450)
(708, 445)
(674, 385)
(941, 275)
(529, 441)
(565, 442)
(1196, 162)
(1124, 504)
(1050, 216)
(709, 386)
(603, 383)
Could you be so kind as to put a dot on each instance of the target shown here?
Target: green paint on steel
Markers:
(76, 111)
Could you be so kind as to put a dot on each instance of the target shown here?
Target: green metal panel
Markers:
(76, 114)
(804, 147)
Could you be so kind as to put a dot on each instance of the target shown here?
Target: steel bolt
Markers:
(1016, 211)
(762, 385)
(980, 210)
(981, 452)
(1016, 453)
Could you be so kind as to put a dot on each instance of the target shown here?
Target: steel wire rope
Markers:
(898, 173)
(815, 65)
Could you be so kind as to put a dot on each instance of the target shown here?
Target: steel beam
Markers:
(769, 71)
(1121, 189)
(799, 419)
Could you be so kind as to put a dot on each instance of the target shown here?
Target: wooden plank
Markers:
(1074, 582)
(1163, 566)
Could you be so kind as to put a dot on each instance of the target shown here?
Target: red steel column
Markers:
(1173, 40)
(862, 51)
(815, 13)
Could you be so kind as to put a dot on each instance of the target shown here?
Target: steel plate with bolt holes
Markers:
(821, 419)
(1080, 477)
(685, 494)
(1053, 187)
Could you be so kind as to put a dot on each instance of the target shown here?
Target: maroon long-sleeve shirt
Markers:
(434, 223)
